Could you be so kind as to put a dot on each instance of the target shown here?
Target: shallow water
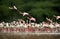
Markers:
(15, 36)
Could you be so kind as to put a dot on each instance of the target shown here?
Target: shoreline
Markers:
(28, 33)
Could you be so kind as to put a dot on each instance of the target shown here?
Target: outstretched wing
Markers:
(15, 7)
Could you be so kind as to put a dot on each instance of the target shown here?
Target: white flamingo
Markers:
(32, 19)
(23, 13)
(49, 20)
(45, 25)
(1, 25)
(57, 17)
(51, 25)
(57, 25)
(7, 24)
(14, 7)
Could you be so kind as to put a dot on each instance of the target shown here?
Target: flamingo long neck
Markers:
(19, 11)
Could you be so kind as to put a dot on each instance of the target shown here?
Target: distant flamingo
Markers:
(57, 17)
(15, 8)
(32, 19)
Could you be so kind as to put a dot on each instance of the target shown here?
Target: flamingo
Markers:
(51, 25)
(44, 24)
(57, 24)
(32, 19)
(25, 13)
(10, 8)
(1, 25)
(49, 20)
(14, 7)
(57, 17)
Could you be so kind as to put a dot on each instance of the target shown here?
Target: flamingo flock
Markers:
(23, 13)
(18, 26)
(32, 26)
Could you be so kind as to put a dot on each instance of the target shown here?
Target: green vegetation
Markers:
(40, 9)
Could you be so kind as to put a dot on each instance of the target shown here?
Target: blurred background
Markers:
(40, 9)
